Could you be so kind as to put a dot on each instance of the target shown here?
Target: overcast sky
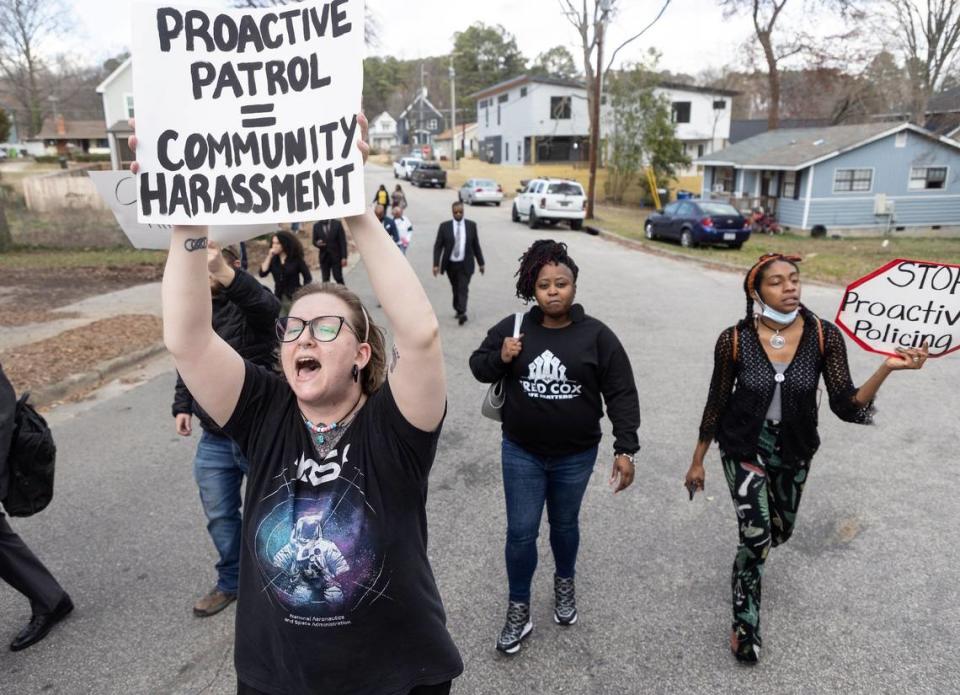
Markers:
(692, 34)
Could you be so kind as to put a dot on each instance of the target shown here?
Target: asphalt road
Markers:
(863, 599)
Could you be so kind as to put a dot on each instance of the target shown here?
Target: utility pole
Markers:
(453, 115)
(420, 111)
(595, 119)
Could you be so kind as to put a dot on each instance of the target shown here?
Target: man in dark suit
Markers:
(331, 242)
(454, 251)
(19, 567)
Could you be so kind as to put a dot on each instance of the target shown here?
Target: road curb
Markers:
(615, 238)
(85, 381)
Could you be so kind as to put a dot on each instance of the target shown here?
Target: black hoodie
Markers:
(557, 386)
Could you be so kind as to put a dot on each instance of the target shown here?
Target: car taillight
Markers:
(707, 222)
(479, 190)
(499, 188)
(584, 207)
(543, 202)
(746, 224)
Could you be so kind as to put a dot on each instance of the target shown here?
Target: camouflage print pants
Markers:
(766, 494)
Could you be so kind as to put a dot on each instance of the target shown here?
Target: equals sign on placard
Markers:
(264, 122)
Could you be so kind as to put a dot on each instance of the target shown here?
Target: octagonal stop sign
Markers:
(904, 304)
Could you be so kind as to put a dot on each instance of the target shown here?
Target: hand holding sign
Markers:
(256, 119)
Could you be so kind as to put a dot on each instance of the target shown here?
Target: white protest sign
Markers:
(119, 191)
(904, 304)
(248, 116)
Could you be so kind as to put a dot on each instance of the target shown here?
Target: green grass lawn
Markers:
(80, 258)
(839, 261)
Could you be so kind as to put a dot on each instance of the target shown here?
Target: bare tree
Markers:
(24, 26)
(589, 19)
(778, 45)
(927, 33)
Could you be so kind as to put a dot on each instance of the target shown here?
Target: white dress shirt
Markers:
(459, 241)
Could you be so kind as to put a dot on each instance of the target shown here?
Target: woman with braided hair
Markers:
(558, 374)
(762, 411)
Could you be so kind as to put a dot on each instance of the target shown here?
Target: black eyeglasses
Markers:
(322, 328)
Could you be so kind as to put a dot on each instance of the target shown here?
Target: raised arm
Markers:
(416, 371)
(210, 368)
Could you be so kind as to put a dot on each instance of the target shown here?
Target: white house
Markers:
(117, 94)
(701, 116)
(465, 138)
(383, 132)
(530, 119)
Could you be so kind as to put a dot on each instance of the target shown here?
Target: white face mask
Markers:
(775, 315)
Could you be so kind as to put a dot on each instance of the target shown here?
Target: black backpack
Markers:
(30, 462)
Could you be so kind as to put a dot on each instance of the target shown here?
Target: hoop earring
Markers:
(355, 373)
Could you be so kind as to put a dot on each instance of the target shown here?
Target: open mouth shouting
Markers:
(306, 367)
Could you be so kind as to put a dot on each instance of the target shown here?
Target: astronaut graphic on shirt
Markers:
(311, 562)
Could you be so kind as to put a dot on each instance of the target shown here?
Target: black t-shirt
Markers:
(336, 591)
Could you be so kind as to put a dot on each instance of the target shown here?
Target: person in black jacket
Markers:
(285, 263)
(19, 567)
(454, 251)
(557, 376)
(330, 239)
(244, 315)
(762, 410)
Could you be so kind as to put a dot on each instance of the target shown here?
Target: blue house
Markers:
(867, 179)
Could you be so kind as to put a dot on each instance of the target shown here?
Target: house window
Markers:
(502, 99)
(926, 178)
(699, 150)
(523, 92)
(560, 108)
(789, 187)
(723, 180)
(432, 124)
(900, 140)
(852, 180)
(719, 104)
(486, 117)
(498, 114)
(128, 104)
(680, 112)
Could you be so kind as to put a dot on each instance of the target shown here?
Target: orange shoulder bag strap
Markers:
(736, 341)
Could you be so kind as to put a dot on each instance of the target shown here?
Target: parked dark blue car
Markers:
(696, 222)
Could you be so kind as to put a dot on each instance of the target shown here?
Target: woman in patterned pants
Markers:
(762, 411)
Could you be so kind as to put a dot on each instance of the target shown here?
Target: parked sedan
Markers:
(429, 174)
(696, 222)
(480, 191)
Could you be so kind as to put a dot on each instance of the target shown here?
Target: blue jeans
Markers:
(529, 481)
(219, 468)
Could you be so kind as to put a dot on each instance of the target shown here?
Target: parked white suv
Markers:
(404, 166)
(551, 201)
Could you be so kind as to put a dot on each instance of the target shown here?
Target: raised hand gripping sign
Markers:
(248, 116)
(903, 305)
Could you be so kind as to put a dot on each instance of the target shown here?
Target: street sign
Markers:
(904, 304)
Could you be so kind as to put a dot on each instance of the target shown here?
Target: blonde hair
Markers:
(375, 373)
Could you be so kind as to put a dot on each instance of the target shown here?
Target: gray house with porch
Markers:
(869, 178)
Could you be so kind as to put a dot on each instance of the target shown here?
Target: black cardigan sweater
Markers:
(741, 391)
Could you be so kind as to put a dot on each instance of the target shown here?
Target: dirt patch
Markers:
(79, 350)
(27, 295)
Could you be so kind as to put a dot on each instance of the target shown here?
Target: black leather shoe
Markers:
(40, 625)
(462, 319)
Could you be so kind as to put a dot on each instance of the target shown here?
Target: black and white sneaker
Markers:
(517, 627)
(565, 595)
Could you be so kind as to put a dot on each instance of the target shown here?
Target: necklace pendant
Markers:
(321, 439)
(777, 341)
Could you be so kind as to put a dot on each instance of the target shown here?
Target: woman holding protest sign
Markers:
(336, 591)
(559, 367)
(762, 410)
(286, 264)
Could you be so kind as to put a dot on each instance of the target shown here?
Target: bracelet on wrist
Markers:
(630, 457)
